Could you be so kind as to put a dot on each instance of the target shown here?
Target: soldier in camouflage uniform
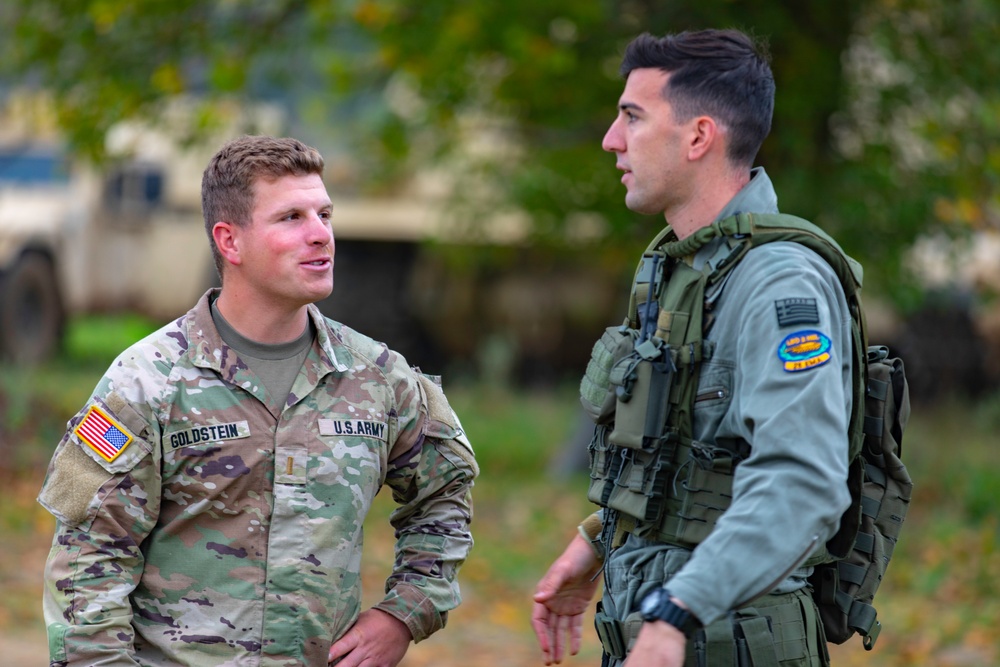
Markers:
(211, 493)
(695, 110)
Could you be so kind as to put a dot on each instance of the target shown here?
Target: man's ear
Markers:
(704, 135)
(227, 240)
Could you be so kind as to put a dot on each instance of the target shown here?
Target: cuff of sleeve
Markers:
(590, 530)
(409, 604)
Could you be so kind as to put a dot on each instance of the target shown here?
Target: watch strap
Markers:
(670, 612)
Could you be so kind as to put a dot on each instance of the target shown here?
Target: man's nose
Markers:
(613, 142)
(320, 231)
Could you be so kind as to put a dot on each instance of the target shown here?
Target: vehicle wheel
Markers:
(31, 312)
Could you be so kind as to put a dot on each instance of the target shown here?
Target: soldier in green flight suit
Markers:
(211, 493)
(695, 579)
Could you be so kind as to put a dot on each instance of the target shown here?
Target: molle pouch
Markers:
(639, 489)
(596, 393)
(605, 463)
(706, 481)
(631, 481)
(642, 387)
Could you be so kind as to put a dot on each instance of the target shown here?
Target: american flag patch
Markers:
(103, 434)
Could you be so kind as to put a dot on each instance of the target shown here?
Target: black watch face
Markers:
(651, 602)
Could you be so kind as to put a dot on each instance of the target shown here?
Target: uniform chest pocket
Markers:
(208, 450)
(352, 461)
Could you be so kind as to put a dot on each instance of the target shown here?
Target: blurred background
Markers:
(481, 231)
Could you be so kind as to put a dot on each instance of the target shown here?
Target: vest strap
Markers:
(720, 649)
(756, 646)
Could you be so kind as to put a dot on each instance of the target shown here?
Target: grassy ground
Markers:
(939, 606)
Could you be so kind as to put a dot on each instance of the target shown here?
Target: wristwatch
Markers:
(656, 606)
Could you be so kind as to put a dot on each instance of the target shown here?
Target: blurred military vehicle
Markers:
(128, 235)
(74, 240)
(77, 238)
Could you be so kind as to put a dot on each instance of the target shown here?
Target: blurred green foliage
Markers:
(95, 340)
(886, 122)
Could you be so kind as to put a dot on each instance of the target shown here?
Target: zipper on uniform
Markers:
(711, 394)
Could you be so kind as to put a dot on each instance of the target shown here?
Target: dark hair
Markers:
(227, 185)
(720, 73)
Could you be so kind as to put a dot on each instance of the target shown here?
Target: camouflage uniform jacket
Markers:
(197, 527)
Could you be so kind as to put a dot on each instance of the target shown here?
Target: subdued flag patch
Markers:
(796, 311)
(103, 434)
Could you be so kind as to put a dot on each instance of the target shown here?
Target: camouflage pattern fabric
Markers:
(221, 533)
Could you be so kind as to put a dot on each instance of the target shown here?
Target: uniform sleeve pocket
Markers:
(714, 394)
(98, 447)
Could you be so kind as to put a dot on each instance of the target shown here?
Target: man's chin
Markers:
(320, 293)
(637, 205)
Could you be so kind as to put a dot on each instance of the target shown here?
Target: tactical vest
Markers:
(640, 388)
(641, 382)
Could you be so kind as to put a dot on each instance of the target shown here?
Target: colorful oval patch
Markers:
(803, 350)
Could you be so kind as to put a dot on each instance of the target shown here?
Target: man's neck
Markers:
(262, 322)
(708, 201)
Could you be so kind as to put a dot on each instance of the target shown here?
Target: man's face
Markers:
(286, 253)
(649, 145)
